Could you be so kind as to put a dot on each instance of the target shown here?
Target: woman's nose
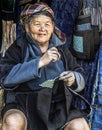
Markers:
(42, 27)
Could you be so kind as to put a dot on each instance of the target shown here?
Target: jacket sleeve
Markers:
(13, 71)
(71, 64)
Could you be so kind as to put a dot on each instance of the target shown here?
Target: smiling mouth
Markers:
(42, 34)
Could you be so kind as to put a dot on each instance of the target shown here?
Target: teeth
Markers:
(41, 34)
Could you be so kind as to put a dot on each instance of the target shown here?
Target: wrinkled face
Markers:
(40, 27)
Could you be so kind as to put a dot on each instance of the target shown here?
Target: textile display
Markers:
(0, 28)
(46, 1)
(8, 8)
(85, 38)
(22, 2)
(9, 34)
(1, 100)
(65, 13)
(96, 114)
(96, 14)
(90, 67)
(86, 33)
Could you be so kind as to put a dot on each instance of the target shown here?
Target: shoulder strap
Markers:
(88, 106)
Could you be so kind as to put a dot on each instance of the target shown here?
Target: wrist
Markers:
(41, 64)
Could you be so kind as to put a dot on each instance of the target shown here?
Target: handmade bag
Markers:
(8, 9)
(85, 37)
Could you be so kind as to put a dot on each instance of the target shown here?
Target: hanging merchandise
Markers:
(46, 1)
(23, 2)
(100, 18)
(8, 35)
(96, 14)
(0, 28)
(100, 15)
(96, 114)
(65, 13)
(8, 9)
(85, 36)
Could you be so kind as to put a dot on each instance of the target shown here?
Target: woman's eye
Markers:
(47, 25)
(37, 24)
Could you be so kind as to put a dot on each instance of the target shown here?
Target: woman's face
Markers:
(41, 28)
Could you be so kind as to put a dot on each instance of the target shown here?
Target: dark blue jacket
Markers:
(52, 107)
(19, 66)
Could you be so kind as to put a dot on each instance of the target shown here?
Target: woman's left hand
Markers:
(68, 77)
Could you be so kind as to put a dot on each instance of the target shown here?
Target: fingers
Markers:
(68, 77)
(51, 55)
(54, 54)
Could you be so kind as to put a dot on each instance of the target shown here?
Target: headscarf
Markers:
(32, 9)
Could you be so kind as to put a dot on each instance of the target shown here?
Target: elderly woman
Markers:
(40, 55)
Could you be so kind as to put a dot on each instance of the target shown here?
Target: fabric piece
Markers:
(9, 10)
(31, 9)
(0, 29)
(8, 35)
(65, 12)
(96, 113)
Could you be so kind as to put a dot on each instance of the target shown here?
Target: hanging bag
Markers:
(8, 8)
(85, 36)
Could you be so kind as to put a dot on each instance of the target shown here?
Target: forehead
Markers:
(41, 18)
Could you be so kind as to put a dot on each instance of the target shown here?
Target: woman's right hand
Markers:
(51, 55)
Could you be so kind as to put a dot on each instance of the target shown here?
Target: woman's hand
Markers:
(51, 55)
(68, 77)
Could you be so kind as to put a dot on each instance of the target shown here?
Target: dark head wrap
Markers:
(32, 9)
